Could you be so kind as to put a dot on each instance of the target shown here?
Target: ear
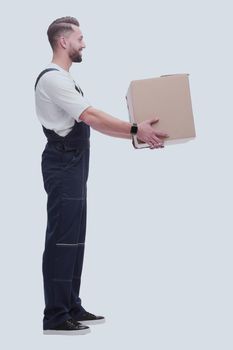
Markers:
(63, 42)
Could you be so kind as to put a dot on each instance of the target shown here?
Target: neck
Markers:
(63, 62)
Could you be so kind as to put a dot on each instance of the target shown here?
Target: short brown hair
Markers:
(60, 26)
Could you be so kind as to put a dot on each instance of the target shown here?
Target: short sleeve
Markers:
(61, 90)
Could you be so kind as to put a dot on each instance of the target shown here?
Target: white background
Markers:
(158, 259)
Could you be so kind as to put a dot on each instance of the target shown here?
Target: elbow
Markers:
(87, 115)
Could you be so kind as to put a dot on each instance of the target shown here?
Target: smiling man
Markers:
(66, 117)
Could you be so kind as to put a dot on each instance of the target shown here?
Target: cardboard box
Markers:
(168, 98)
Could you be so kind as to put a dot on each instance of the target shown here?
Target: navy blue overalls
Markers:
(65, 165)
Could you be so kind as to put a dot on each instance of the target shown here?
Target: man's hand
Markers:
(150, 136)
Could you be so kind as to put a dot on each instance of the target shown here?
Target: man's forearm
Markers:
(118, 134)
(106, 123)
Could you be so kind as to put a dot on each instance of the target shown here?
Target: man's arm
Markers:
(118, 134)
(105, 123)
(110, 125)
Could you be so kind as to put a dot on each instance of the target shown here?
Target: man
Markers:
(66, 117)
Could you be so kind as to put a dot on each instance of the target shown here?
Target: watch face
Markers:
(134, 129)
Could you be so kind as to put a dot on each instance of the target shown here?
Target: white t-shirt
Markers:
(58, 104)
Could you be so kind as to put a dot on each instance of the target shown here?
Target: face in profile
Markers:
(76, 45)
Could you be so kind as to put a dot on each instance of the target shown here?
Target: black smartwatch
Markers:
(134, 129)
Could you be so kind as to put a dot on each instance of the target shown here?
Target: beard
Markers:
(75, 56)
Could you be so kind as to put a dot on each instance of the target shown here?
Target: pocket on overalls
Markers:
(72, 157)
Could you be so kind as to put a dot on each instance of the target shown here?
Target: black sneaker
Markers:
(88, 318)
(68, 327)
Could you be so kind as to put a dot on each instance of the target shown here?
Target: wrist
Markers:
(134, 129)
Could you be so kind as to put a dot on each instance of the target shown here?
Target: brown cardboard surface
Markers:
(168, 98)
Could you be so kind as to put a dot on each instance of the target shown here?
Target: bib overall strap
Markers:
(78, 89)
(42, 73)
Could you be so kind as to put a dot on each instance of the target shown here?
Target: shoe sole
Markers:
(61, 332)
(93, 322)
